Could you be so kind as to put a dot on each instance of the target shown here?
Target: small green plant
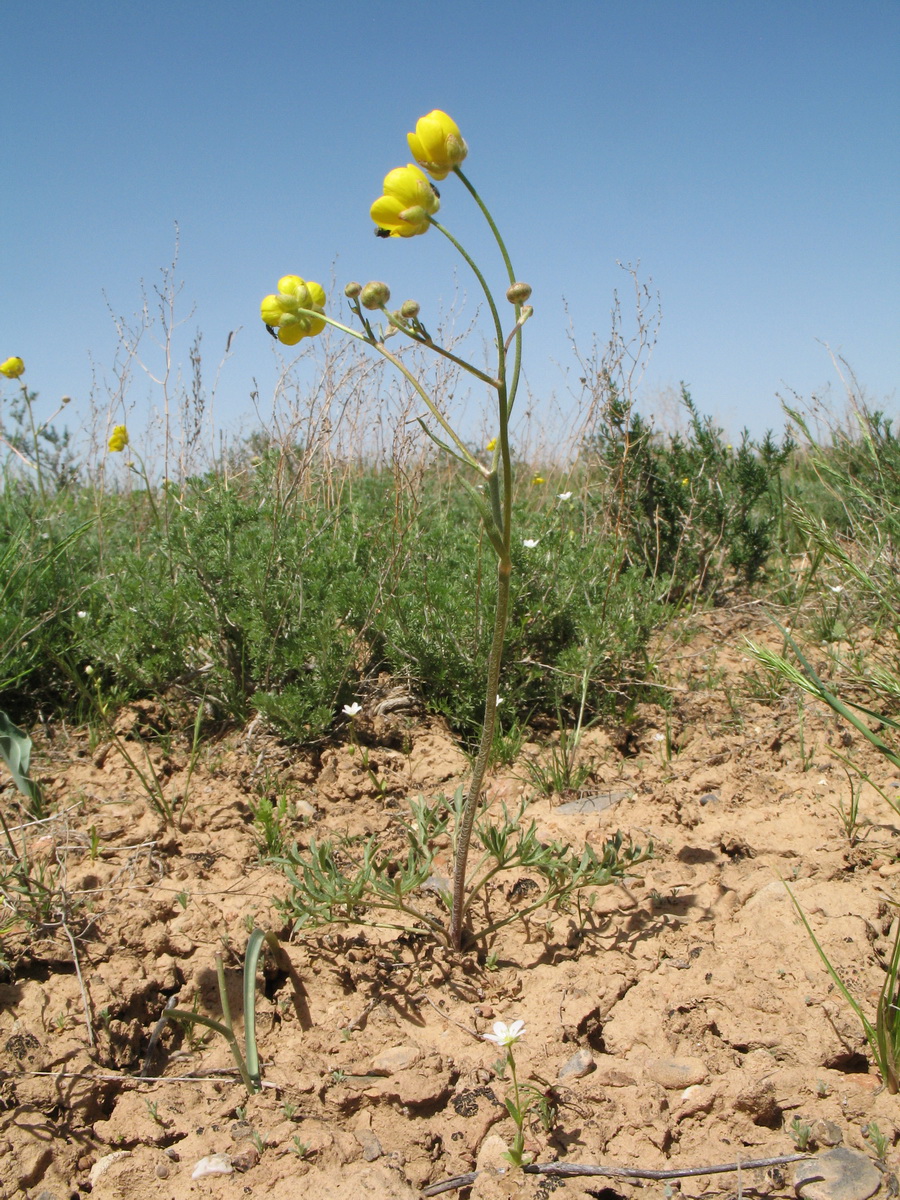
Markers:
(300, 1148)
(248, 1067)
(270, 826)
(800, 1132)
(849, 814)
(563, 773)
(332, 883)
(153, 1110)
(882, 1033)
(508, 743)
(560, 772)
(879, 1141)
(806, 754)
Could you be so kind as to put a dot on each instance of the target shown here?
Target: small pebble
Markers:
(709, 798)
(214, 1164)
(580, 1064)
(676, 1073)
(826, 1133)
(397, 1058)
(162, 1170)
(371, 1146)
(245, 1159)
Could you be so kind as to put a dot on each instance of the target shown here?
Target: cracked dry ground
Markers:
(691, 1016)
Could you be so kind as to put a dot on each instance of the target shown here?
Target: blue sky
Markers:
(744, 153)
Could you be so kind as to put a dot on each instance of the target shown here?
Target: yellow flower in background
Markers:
(437, 145)
(409, 200)
(492, 445)
(119, 439)
(537, 480)
(12, 368)
(281, 311)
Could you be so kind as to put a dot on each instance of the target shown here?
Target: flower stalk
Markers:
(406, 209)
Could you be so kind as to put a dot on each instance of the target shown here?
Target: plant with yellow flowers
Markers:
(40, 446)
(408, 207)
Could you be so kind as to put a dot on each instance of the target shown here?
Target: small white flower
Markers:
(659, 737)
(499, 700)
(81, 613)
(530, 543)
(505, 1035)
(837, 589)
(350, 710)
(564, 495)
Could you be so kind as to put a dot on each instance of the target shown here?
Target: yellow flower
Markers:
(492, 445)
(538, 479)
(119, 439)
(12, 368)
(408, 201)
(437, 145)
(282, 311)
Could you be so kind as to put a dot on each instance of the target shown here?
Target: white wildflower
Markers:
(530, 543)
(505, 1035)
(350, 710)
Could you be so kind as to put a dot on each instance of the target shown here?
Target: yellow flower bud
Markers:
(492, 445)
(409, 309)
(352, 290)
(408, 202)
(119, 439)
(12, 368)
(437, 145)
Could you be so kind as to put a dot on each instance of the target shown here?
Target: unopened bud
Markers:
(66, 400)
(352, 290)
(518, 293)
(527, 311)
(409, 309)
(374, 295)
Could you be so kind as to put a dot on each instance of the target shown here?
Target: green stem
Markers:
(510, 272)
(487, 292)
(464, 833)
(430, 345)
(519, 1118)
(34, 438)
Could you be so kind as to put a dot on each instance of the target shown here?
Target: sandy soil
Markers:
(688, 1022)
